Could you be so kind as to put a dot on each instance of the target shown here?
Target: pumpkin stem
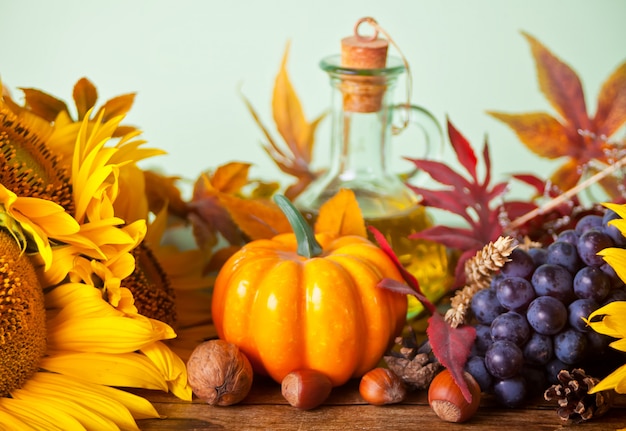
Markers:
(307, 244)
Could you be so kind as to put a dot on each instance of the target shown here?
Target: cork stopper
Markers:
(358, 52)
(363, 93)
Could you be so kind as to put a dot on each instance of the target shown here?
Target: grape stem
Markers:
(567, 195)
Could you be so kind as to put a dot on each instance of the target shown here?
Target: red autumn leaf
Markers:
(464, 152)
(573, 134)
(412, 286)
(476, 200)
(451, 346)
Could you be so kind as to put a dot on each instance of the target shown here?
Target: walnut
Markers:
(219, 373)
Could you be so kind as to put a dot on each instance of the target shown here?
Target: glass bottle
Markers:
(362, 80)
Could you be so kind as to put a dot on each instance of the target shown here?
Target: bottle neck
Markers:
(361, 117)
(361, 127)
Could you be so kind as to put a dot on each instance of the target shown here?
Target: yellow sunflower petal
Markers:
(619, 344)
(78, 300)
(9, 422)
(616, 380)
(123, 369)
(89, 419)
(40, 218)
(170, 366)
(139, 407)
(620, 209)
(111, 334)
(56, 385)
(41, 417)
(612, 324)
(616, 258)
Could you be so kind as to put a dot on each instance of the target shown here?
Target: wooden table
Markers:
(265, 409)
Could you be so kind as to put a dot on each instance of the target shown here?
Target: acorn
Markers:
(306, 389)
(382, 386)
(447, 401)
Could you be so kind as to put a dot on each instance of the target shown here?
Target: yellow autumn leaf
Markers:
(341, 216)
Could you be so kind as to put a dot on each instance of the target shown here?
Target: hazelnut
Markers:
(219, 373)
(447, 401)
(306, 389)
(382, 386)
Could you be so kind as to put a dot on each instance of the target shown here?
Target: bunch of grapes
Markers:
(529, 323)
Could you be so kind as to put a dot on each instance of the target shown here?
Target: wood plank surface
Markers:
(265, 409)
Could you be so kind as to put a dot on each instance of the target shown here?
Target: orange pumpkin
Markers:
(299, 301)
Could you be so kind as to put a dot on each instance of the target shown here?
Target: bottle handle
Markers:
(430, 127)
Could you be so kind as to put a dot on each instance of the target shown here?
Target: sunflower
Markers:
(69, 326)
(157, 271)
(67, 340)
(613, 315)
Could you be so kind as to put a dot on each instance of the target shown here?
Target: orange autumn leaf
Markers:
(573, 134)
(231, 177)
(297, 133)
(85, 97)
(288, 114)
(341, 216)
(222, 205)
(162, 190)
(116, 106)
(257, 218)
(42, 104)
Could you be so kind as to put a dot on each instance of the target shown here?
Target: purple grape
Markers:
(538, 349)
(510, 392)
(611, 230)
(553, 280)
(570, 346)
(568, 235)
(510, 326)
(483, 340)
(616, 282)
(539, 255)
(485, 306)
(552, 370)
(515, 293)
(476, 367)
(592, 282)
(546, 315)
(504, 359)
(564, 254)
(590, 243)
(495, 279)
(590, 221)
(597, 342)
(579, 309)
(520, 265)
(615, 295)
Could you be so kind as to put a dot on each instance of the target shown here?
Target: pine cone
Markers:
(575, 403)
(414, 365)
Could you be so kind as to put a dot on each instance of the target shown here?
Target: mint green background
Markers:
(187, 60)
